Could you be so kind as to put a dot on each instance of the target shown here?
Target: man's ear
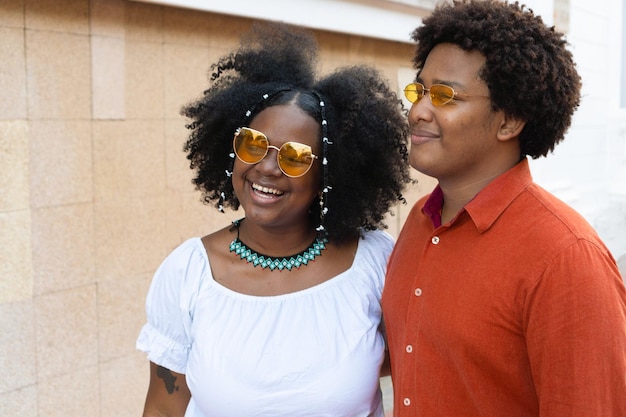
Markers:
(510, 128)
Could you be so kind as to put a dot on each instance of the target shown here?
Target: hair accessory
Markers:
(229, 173)
(220, 206)
(264, 261)
(258, 105)
(321, 229)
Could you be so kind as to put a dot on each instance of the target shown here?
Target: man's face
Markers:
(457, 143)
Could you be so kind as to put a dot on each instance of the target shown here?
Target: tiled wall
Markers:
(96, 190)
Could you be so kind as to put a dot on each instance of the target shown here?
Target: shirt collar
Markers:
(432, 206)
(485, 208)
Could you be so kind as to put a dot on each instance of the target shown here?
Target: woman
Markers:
(278, 314)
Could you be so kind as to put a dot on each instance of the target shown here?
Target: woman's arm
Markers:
(168, 394)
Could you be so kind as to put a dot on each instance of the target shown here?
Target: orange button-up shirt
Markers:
(515, 308)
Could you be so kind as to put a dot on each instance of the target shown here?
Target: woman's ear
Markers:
(510, 128)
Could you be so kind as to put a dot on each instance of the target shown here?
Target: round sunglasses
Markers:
(251, 146)
(440, 94)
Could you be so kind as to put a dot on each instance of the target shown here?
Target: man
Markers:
(500, 300)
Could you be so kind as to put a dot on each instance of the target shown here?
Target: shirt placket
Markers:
(411, 336)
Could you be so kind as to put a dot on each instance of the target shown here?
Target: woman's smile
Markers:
(266, 192)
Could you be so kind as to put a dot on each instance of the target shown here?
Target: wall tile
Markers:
(108, 78)
(71, 17)
(60, 162)
(177, 172)
(14, 157)
(67, 328)
(107, 18)
(333, 50)
(123, 385)
(12, 13)
(128, 159)
(21, 402)
(73, 394)
(58, 75)
(379, 52)
(17, 347)
(130, 235)
(184, 26)
(187, 217)
(121, 314)
(225, 32)
(63, 253)
(16, 268)
(144, 80)
(12, 74)
(144, 22)
(186, 76)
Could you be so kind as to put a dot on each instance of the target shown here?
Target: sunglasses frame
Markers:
(454, 94)
(278, 157)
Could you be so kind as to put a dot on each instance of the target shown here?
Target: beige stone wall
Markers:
(96, 190)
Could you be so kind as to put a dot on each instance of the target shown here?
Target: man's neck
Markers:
(456, 196)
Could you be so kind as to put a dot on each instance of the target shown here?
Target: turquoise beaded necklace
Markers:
(288, 262)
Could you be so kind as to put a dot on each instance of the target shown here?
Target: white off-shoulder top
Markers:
(315, 352)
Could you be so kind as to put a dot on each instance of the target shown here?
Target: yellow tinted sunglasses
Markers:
(440, 94)
(251, 146)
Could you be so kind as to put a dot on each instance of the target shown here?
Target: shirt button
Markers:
(435, 240)
(409, 348)
(406, 402)
(418, 292)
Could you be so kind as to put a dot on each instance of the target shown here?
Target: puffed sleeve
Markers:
(376, 255)
(166, 337)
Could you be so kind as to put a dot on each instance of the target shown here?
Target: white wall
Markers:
(588, 169)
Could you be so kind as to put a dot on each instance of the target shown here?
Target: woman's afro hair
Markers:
(366, 124)
(530, 73)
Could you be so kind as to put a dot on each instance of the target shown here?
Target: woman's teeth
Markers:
(266, 190)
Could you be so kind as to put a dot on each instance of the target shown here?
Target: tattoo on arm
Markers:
(168, 378)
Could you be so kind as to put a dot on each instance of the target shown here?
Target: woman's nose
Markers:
(269, 164)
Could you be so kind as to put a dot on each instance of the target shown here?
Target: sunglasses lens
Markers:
(414, 92)
(250, 145)
(295, 159)
(441, 94)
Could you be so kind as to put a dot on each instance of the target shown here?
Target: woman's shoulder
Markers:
(185, 251)
(370, 262)
(186, 261)
(374, 249)
(376, 239)
(196, 249)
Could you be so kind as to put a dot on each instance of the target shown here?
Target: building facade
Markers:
(96, 189)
